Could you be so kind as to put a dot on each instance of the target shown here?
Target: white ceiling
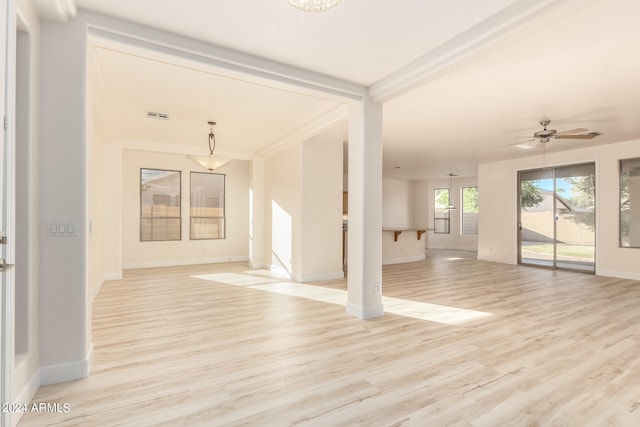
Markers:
(576, 62)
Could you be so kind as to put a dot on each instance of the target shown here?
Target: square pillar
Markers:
(364, 274)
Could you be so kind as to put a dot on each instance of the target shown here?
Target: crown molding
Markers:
(115, 34)
(459, 48)
(56, 10)
(140, 145)
(308, 130)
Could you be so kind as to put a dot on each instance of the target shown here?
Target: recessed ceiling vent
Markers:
(158, 116)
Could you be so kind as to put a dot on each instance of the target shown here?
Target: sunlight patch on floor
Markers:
(432, 312)
(237, 279)
(418, 310)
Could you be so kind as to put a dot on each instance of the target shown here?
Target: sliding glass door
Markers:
(557, 217)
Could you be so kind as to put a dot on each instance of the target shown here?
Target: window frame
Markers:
(224, 207)
(152, 217)
(445, 220)
(462, 212)
(621, 202)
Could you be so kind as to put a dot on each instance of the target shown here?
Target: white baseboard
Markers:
(96, 289)
(618, 274)
(256, 265)
(68, 371)
(322, 276)
(280, 272)
(403, 260)
(26, 395)
(365, 313)
(112, 276)
(180, 262)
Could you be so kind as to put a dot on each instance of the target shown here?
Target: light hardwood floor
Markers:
(476, 343)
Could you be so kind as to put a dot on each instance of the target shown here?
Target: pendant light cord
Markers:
(212, 137)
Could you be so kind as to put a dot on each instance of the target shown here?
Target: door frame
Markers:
(7, 215)
(554, 263)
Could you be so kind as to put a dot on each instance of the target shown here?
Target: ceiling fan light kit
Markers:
(314, 5)
(545, 135)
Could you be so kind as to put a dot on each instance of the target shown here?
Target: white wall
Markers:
(397, 203)
(98, 139)
(112, 212)
(65, 343)
(303, 208)
(282, 207)
(235, 247)
(26, 374)
(400, 205)
(497, 184)
(419, 195)
(321, 209)
(455, 239)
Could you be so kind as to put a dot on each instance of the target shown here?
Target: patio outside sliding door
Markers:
(557, 217)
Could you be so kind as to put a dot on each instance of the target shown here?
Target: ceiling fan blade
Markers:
(588, 136)
(572, 131)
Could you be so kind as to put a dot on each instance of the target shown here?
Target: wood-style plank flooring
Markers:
(462, 343)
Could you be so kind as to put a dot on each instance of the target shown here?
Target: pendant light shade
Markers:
(210, 162)
(314, 5)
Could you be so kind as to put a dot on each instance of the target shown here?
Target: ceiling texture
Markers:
(460, 80)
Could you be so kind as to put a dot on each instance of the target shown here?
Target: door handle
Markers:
(4, 266)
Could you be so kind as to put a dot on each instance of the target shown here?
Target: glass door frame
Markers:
(554, 177)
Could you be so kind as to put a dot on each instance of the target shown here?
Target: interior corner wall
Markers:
(63, 324)
(282, 207)
(455, 239)
(321, 207)
(97, 140)
(498, 210)
(137, 254)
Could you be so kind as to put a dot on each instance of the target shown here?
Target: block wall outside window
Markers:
(160, 216)
(441, 221)
(207, 205)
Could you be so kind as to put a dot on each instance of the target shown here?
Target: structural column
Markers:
(364, 274)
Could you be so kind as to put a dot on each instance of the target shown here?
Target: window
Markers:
(469, 210)
(441, 213)
(630, 203)
(159, 205)
(207, 206)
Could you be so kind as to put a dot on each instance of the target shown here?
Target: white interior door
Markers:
(7, 194)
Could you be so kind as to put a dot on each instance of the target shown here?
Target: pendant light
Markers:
(210, 162)
(451, 207)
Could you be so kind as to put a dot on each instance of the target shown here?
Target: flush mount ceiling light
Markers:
(210, 162)
(314, 5)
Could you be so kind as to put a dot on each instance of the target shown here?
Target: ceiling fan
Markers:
(545, 135)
